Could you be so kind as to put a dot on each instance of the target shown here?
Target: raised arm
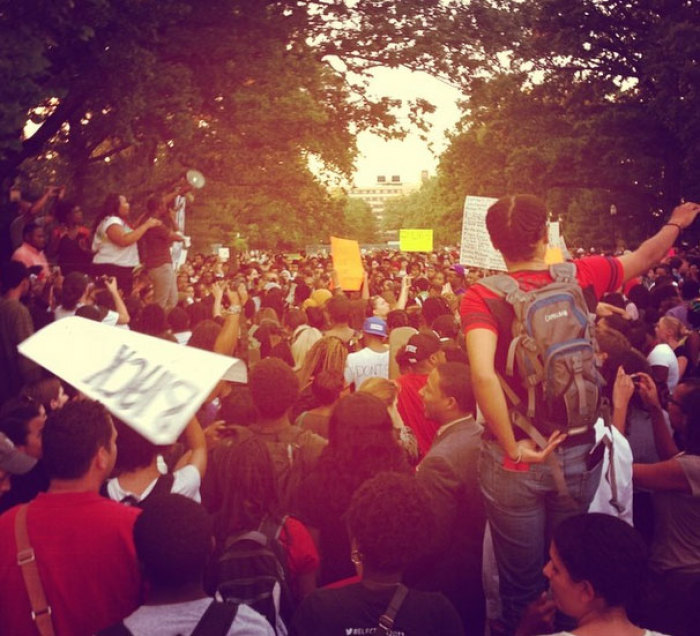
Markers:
(197, 447)
(656, 247)
(665, 446)
(403, 296)
(124, 317)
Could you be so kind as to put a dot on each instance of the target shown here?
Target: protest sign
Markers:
(224, 253)
(476, 247)
(554, 255)
(416, 240)
(347, 263)
(153, 385)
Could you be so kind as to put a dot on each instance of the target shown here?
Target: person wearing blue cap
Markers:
(373, 360)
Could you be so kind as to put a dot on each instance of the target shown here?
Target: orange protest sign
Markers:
(347, 263)
(553, 255)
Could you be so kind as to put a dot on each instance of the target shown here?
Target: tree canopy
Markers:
(124, 95)
(591, 104)
(588, 104)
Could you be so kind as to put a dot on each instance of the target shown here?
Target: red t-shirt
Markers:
(86, 559)
(302, 555)
(412, 411)
(481, 308)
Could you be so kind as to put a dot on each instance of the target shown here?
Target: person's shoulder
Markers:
(248, 621)
(118, 511)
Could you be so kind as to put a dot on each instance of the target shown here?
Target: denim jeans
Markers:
(523, 508)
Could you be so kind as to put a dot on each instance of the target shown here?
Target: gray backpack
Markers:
(553, 350)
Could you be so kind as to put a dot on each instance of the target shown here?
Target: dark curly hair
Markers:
(515, 224)
(361, 443)
(391, 520)
(173, 540)
(274, 387)
(606, 552)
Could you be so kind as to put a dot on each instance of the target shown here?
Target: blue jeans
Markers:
(523, 508)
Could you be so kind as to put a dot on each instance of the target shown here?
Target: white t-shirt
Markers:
(181, 618)
(187, 482)
(365, 364)
(107, 252)
(663, 356)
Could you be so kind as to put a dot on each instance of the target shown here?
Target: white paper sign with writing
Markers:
(153, 385)
(476, 247)
(553, 236)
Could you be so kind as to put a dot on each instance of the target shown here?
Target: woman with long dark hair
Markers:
(114, 241)
(361, 443)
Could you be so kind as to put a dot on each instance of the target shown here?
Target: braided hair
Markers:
(515, 224)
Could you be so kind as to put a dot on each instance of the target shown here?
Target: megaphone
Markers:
(195, 178)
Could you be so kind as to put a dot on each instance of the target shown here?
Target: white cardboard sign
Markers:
(476, 247)
(153, 385)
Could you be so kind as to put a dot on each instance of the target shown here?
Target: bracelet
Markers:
(680, 229)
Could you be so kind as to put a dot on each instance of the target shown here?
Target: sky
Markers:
(408, 157)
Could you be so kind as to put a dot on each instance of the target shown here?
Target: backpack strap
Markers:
(609, 441)
(563, 272)
(164, 485)
(386, 620)
(26, 559)
(118, 629)
(217, 619)
(524, 424)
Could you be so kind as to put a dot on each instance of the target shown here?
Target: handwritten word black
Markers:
(134, 384)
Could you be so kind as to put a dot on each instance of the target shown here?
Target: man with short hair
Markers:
(373, 360)
(449, 473)
(22, 420)
(174, 539)
(82, 542)
(31, 252)
(274, 388)
(15, 326)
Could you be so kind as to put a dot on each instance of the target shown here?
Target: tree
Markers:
(594, 104)
(360, 223)
(127, 94)
(424, 209)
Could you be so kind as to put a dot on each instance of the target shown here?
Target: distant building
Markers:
(385, 189)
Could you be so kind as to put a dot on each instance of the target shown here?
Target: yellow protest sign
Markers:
(347, 263)
(553, 255)
(416, 240)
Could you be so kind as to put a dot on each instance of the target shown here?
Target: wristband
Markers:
(680, 229)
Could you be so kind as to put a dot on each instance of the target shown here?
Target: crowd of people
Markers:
(383, 467)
